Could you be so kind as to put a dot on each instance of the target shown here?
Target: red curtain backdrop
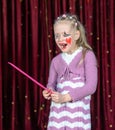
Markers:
(26, 39)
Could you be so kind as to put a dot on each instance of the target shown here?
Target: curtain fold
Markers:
(1, 122)
(27, 40)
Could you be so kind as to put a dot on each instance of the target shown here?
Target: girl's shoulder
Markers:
(57, 59)
(90, 56)
(89, 53)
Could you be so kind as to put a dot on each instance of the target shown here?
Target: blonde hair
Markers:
(73, 20)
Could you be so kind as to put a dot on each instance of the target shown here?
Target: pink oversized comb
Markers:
(36, 82)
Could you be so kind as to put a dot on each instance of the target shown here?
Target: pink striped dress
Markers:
(79, 79)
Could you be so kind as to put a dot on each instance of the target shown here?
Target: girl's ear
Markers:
(77, 35)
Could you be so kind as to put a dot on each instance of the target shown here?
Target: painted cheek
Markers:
(68, 40)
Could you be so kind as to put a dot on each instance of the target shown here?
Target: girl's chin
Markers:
(65, 50)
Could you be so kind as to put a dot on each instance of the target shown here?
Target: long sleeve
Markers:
(90, 78)
(52, 79)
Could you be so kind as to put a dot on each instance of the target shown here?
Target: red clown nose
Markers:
(68, 40)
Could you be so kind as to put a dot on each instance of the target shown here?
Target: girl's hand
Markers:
(60, 98)
(47, 94)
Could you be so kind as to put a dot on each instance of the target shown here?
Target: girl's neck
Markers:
(73, 50)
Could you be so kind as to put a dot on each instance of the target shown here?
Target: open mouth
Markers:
(62, 45)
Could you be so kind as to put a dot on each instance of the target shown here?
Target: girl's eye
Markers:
(57, 36)
(66, 35)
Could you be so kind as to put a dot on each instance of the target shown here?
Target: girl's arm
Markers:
(91, 78)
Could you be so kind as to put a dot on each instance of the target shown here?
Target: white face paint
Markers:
(65, 37)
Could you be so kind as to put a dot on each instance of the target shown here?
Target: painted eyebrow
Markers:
(66, 34)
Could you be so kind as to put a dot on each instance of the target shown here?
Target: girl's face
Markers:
(65, 37)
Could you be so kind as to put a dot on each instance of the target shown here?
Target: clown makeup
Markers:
(66, 40)
(69, 40)
(65, 37)
(58, 36)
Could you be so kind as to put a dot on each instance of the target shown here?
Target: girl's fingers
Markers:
(50, 91)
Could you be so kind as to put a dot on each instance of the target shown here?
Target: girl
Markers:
(72, 77)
